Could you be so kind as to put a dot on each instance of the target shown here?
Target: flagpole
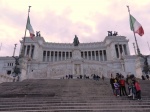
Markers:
(134, 48)
(22, 51)
(0, 46)
(148, 46)
(138, 50)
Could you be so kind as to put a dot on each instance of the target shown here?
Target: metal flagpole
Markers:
(148, 46)
(0, 46)
(134, 48)
(138, 50)
(22, 51)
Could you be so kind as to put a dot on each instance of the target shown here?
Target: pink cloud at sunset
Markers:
(60, 20)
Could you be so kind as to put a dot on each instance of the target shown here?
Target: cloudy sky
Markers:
(60, 20)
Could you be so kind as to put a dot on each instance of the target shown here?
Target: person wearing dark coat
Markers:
(112, 81)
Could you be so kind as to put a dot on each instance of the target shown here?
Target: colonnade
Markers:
(29, 50)
(99, 55)
(120, 48)
(56, 55)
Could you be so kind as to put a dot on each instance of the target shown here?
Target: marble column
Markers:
(119, 50)
(45, 57)
(99, 55)
(65, 55)
(69, 54)
(91, 55)
(123, 49)
(95, 55)
(30, 48)
(61, 54)
(87, 55)
(53, 56)
(84, 54)
(57, 55)
(49, 55)
(26, 50)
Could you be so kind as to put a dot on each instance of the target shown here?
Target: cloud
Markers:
(60, 21)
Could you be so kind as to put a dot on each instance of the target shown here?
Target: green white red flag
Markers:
(29, 27)
(136, 26)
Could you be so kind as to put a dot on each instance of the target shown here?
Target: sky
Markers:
(60, 20)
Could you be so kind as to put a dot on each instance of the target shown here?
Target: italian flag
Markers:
(29, 27)
(136, 26)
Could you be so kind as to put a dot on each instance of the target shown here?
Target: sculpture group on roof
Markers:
(38, 34)
(112, 34)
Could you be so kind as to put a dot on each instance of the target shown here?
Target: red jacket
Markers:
(137, 86)
(122, 82)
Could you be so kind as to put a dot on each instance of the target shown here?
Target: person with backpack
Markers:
(138, 90)
(116, 85)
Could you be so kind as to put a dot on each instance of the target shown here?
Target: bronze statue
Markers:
(76, 41)
(16, 60)
(115, 33)
(112, 34)
(146, 68)
(109, 33)
(16, 69)
(38, 34)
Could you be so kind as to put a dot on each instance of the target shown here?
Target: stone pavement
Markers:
(68, 95)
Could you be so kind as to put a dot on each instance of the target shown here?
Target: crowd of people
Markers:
(119, 83)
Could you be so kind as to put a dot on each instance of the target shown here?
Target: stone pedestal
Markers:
(76, 54)
(139, 67)
(77, 61)
(23, 68)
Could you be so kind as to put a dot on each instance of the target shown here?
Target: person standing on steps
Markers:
(116, 85)
(112, 81)
(129, 83)
(133, 86)
(138, 90)
(122, 87)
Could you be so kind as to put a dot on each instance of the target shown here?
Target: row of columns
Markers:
(62, 55)
(120, 48)
(56, 56)
(29, 50)
(95, 55)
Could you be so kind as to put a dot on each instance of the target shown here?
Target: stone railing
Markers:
(5, 78)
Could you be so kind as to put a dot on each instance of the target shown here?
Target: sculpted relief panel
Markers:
(76, 54)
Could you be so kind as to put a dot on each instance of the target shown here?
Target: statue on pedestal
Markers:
(16, 69)
(76, 41)
(146, 68)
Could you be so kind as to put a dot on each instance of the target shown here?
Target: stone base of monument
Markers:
(67, 95)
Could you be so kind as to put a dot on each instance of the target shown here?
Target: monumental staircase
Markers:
(69, 95)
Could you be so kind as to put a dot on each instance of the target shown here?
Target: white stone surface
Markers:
(71, 60)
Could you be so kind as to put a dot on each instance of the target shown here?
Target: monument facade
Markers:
(47, 60)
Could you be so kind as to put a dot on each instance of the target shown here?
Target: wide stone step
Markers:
(102, 107)
(5, 105)
(69, 96)
(86, 110)
(72, 99)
